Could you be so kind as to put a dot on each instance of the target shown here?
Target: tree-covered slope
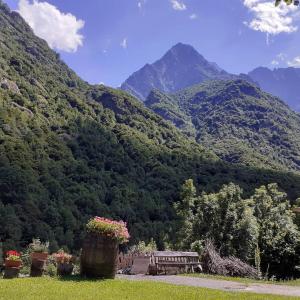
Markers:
(236, 120)
(69, 151)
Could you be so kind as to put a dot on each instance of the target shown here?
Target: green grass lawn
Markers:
(50, 289)
(245, 280)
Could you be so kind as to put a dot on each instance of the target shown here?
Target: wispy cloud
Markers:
(193, 16)
(178, 5)
(279, 59)
(124, 43)
(141, 4)
(60, 30)
(295, 62)
(270, 19)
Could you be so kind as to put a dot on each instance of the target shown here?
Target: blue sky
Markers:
(107, 40)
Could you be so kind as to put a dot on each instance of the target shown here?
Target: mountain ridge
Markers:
(179, 67)
(281, 82)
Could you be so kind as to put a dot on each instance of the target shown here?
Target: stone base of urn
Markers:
(37, 267)
(99, 256)
(11, 272)
(65, 269)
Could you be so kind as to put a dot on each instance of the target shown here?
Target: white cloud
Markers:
(274, 62)
(270, 19)
(279, 59)
(295, 62)
(141, 3)
(193, 16)
(178, 5)
(141, 6)
(124, 43)
(281, 56)
(60, 30)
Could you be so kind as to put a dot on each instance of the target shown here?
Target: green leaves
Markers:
(259, 230)
(288, 2)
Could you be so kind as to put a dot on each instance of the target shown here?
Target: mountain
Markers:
(180, 67)
(236, 120)
(282, 82)
(70, 151)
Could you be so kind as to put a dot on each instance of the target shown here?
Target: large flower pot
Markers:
(38, 261)
(99, 256)
(39, 255)
(64, 269)
(11, 272)
(13, 263)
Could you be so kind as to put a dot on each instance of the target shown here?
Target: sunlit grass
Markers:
(52, 289)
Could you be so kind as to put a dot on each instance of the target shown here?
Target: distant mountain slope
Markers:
(282, 82)
(236, 120)
(70, 151)
(180, 67)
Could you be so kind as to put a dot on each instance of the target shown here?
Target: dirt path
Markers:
(230, 286)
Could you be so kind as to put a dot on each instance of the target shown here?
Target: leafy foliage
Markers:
(236, 120)
(240, 226)
(288, 2)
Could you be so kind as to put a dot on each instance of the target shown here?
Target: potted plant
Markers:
(38, 249)
(13, 263)
(64, 263)
(39, 254)
(100, 248)
(13, 259)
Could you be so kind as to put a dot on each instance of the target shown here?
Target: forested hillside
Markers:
(69, 151)
(236, 120)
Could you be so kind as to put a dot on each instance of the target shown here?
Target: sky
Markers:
(105, 41)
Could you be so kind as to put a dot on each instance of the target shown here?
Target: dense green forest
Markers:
(237, 120)
(69, 151)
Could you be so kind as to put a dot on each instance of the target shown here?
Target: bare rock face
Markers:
(182, 66)
(9, 85)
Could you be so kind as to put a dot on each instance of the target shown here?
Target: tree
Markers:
(228, 220)
(185, 212)
(279, 238)
(223, 217)
(259, 230)
(288, 2)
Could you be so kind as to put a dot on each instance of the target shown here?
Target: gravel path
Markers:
(224, 285)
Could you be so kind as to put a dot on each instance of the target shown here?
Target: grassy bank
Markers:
(52, 289)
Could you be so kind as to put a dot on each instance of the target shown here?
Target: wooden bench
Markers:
(179, 262)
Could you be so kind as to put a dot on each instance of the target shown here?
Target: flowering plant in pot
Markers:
(64, 262)
(38, 249)
(13, 259)
(113, 229)
(101, 246)
(39, 254)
